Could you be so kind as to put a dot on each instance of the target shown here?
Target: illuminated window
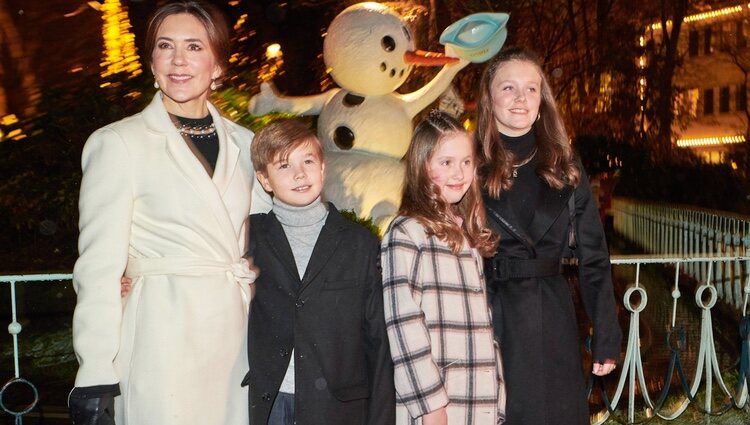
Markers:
(692, 100)
(708, 47)
(742, 32)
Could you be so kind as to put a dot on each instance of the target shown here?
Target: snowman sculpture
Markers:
(365, 126)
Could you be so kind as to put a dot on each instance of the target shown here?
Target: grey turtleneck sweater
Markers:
(302, 227)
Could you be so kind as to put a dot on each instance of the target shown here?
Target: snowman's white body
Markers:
(365, 176)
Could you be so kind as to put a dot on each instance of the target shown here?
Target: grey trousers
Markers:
(282, 412)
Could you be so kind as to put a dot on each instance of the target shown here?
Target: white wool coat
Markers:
(176, 344)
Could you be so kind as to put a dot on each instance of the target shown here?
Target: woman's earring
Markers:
(214, 86)
(538, 116)
(156, 84)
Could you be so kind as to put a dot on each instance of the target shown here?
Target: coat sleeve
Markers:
(105, 211)
(595, 275)
(419, 385)
(382, 406)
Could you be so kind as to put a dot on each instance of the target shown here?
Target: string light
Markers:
(710, 141)
(706, 15)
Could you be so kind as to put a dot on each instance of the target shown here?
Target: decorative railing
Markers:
(708, 375)
(679, 231)
(14, 328)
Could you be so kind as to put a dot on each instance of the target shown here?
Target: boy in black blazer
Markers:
(317, 343)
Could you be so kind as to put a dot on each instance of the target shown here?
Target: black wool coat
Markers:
(332, 318)
(534, 317)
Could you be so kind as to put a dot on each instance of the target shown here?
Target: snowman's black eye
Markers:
(406, 33)
(388, 43)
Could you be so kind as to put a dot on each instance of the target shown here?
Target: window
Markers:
(707, 39)
(740, 31)
(708, 101)
(693, 43)
(692, 97)
(724, 99)
(722, 34)
(741, 98)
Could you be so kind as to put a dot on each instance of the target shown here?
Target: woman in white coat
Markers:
(164, 200)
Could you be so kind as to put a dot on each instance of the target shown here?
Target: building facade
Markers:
(711, 102)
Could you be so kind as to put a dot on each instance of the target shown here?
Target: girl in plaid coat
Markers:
(447, 367)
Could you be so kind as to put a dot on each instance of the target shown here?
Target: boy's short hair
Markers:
(280, 138)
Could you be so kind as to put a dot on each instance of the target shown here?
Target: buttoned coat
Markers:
(534, 318)
(439, 328)
(332, 318)
(176, 343)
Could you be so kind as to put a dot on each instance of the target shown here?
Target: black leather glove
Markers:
(93, 405)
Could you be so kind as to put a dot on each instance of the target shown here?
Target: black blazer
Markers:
(332, 318)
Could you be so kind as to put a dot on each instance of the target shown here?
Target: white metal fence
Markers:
(677, 231)
(709, 247)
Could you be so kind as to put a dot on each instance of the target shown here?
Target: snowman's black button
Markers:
(343, 137)
(353, 100)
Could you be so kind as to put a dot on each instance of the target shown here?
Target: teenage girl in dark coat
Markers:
(529, 177)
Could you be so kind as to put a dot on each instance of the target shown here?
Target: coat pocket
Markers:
(337, 285)
(356, 392)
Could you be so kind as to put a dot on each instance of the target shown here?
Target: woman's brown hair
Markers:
(421, 198)
(557, 165)
(208, 15)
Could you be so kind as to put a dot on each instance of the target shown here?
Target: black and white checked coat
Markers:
(440, 329)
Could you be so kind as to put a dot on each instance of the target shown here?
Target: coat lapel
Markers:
(501, 212)
(157, 119)
(551, 204)
(280, 246)
(229, 152)
(325, 247)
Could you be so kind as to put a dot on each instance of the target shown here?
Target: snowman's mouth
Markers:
(392, 72)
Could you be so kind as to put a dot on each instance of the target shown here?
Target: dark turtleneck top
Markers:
(524, 193)
(208, 144)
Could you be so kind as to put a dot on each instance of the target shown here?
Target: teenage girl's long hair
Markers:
(421, 198)
(556, 162)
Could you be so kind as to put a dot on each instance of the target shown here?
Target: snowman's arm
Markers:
(420, 99)
(269, 100)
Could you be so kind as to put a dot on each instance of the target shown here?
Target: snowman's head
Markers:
(364, 49)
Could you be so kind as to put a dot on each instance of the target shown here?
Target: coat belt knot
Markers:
(242, 272)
